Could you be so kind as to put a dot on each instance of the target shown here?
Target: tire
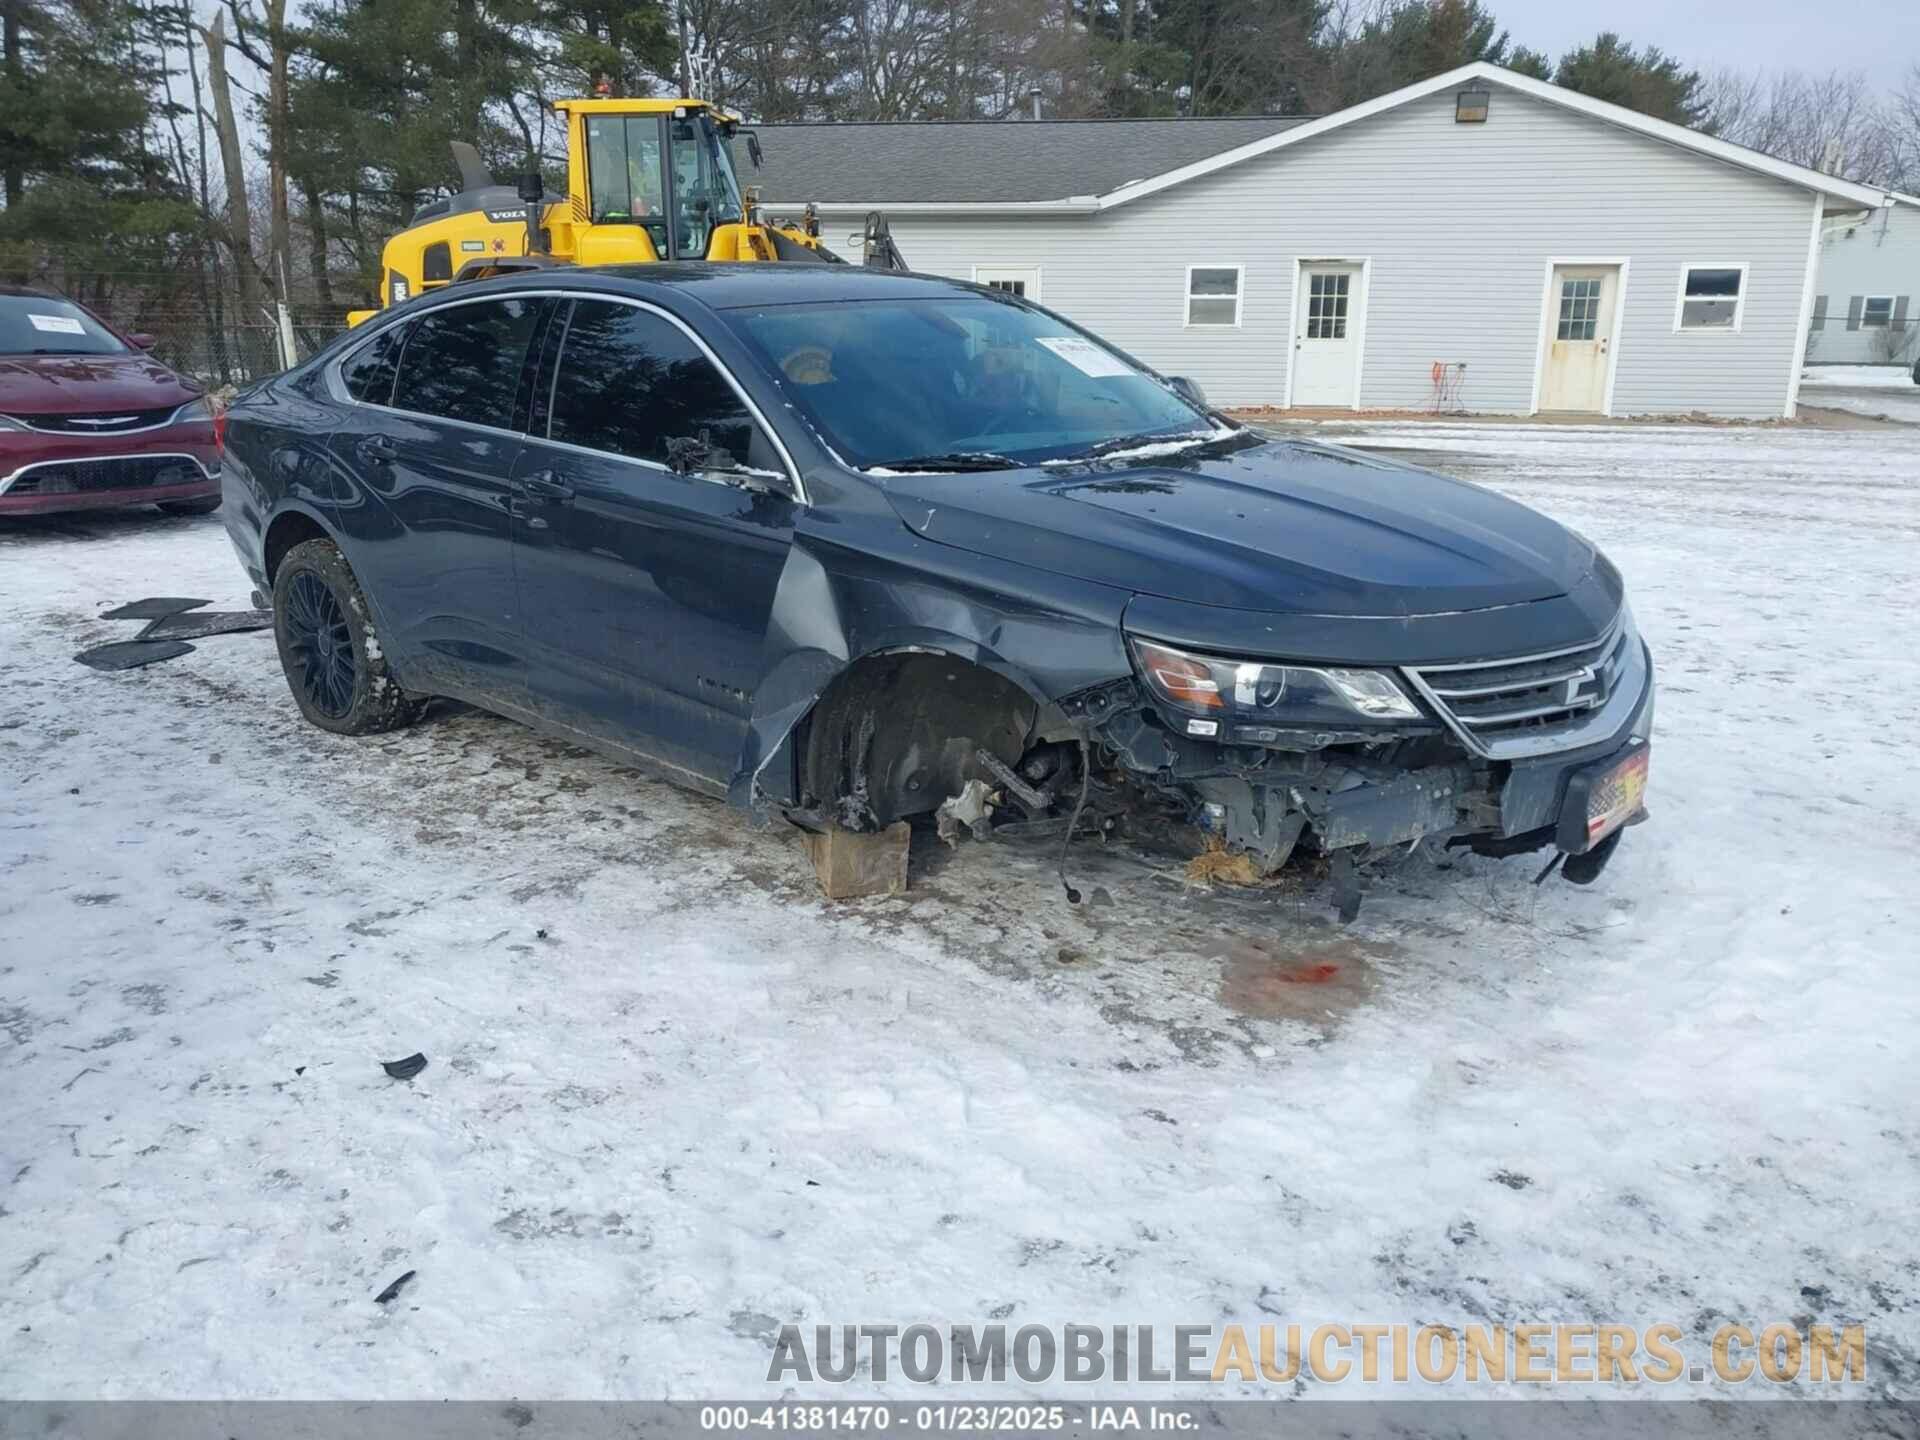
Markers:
(332, 659)
(204, 506)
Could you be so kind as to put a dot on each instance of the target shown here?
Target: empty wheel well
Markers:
(895, 735)
(287, 531)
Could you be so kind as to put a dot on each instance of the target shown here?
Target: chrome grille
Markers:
(82, 477)
(106, 422)
(1534, 703)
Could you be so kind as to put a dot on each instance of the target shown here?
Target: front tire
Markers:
(203, 506)
(334, 665)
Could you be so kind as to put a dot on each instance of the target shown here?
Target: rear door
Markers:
(1578, 361)
(646, 592)
(433, 539)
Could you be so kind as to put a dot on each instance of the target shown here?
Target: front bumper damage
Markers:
(1352, 798)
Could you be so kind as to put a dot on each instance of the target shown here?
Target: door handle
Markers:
(546, 485)
(376, 450)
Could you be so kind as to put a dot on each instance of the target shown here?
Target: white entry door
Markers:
(1581, 303)
(1327, 331)
(1021, 280)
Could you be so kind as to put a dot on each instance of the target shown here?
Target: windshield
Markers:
(966, 378)
(41, 325)
(704, 189)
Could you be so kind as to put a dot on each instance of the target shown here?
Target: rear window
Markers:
(463, 362)
(41, 325)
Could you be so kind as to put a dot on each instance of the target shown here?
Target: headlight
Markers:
(1266, 693)
(7, 422)
(194, 411)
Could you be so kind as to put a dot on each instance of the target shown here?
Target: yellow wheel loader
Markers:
(646, 180)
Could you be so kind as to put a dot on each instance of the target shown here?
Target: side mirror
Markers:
(690, 454)
(532, 187)
(1188, 391)
(753, 149)
(143, 341)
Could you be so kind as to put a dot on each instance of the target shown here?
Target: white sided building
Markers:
(1866, 307)
(1480, 241)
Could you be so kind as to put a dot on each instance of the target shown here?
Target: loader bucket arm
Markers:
(880, 251)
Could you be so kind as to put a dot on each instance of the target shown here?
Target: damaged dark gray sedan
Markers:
(850, 547)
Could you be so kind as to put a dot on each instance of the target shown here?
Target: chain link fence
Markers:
(230, 348)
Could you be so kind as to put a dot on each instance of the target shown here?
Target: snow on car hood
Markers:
(1285, 526)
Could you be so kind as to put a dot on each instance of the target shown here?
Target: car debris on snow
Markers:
(169, 624)
(405, 1069)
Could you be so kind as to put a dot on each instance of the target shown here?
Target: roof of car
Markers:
(34, 291)
(728, 286)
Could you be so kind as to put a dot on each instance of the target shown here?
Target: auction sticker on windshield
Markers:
(57, 324)
(1085, 356)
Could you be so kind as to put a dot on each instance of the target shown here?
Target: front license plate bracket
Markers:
(1601, 798)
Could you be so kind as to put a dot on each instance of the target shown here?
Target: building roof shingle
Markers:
(997, 161)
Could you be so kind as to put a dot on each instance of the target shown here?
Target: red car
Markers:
(89, 421)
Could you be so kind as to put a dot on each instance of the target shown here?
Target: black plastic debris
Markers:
(156, 608)
(405, 1069)
(392, 1292)
(185, 626)
(132, 654)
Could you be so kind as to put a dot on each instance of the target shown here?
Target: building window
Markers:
(1021, 280)
(1579, 307)
(1213, 294)
(1712, 297)
(1877, 313)
(1327, 296)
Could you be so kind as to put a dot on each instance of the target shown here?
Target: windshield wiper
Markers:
(954, 460)
(1152, 437)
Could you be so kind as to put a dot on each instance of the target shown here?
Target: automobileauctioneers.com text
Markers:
(1559, 1353)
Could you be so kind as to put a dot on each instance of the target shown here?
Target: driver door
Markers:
(646, 591)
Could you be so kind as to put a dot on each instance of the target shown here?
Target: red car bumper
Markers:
(41, 472)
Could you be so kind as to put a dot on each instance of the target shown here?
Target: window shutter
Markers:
(1820, 313)
(1853, 311)
(1900, 313)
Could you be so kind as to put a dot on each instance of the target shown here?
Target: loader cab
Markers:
(648, 180)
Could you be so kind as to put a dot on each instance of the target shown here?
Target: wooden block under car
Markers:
(851, 865)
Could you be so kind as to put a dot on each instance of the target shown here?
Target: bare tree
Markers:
(227, 131)
(1834, 122)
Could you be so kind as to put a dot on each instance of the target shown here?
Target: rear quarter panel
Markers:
(277, 462)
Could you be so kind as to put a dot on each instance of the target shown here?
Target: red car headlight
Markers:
(208, 411)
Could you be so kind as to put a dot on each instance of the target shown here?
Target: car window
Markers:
(463, 362)
(368, 372)
(629, 382)
(966, 375)
(42, 325)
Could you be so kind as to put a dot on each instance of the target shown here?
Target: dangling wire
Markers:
(1086, 778)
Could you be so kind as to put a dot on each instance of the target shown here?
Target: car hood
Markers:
(1283, 526)
(85, 384)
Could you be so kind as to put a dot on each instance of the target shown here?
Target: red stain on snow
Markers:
(1310, 975)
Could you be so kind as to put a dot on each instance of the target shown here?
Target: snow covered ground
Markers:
(675, 1099)
(1886, 391)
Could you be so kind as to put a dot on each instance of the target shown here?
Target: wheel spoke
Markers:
(320, 645)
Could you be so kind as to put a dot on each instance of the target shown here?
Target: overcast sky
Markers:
(1881, 37)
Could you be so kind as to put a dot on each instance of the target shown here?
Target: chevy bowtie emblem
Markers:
(1575, 683)
(102, 419)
